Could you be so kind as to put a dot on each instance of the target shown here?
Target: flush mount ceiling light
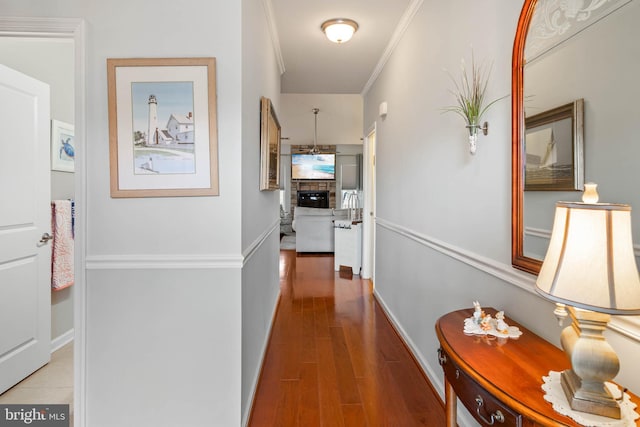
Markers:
(339, 30)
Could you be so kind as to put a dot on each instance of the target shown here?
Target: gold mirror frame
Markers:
(518, 259)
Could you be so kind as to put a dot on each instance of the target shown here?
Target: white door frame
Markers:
(69, 28)
(369, 210)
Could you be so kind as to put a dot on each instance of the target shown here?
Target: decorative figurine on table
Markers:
(483, 324)
(501, 325)
(486, 323)
(477, 312)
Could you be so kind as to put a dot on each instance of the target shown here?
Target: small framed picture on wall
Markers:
(63, 148)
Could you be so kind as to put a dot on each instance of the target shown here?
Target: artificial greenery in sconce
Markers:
(470, 93)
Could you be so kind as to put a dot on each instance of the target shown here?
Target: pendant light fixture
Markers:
(315, 149)
(339, 30)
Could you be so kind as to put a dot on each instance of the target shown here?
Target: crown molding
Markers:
(39, 27)
(404, 23)
(273, 32)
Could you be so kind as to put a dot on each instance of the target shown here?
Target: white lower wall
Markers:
(260, 214)
(163, 347)
(260, 292)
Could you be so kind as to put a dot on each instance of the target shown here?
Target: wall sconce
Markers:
(590, 267)
(470, 91)
(473, 135)
(382, 109)
(339, 30)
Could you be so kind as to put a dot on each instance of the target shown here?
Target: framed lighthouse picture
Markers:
(162, 127)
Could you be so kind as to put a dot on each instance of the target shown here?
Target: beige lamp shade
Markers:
(590, 262)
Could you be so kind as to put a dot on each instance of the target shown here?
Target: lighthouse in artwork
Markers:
(152, 134)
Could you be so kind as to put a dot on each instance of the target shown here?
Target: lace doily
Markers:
(555, 395)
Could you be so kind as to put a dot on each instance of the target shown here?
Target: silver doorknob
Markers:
(46, 237)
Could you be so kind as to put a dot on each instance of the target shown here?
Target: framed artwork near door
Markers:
(162, 127)
(62, 147)
(269, 146)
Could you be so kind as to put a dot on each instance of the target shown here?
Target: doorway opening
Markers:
(58, 45)
(369, 211)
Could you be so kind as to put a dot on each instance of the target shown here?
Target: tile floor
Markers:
(51, 384)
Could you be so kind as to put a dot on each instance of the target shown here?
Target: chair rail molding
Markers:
(179, 261)
(163, 261)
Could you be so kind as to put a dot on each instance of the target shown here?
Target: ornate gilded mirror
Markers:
(583, 53)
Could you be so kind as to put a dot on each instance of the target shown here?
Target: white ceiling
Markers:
(312, 63)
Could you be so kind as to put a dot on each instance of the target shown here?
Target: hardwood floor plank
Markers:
(411, 384)
(388, 341)
(354, 416)
(344, 370)
(291, 348)
(334, 359)
(309, 412)
(321, 318)
(328, 391)
(287, 410)
(357, 348)
(308, 342)
(381, 401)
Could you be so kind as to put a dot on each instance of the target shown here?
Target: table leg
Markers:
(451, 403)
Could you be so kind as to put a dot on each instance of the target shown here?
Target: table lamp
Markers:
(590, 267)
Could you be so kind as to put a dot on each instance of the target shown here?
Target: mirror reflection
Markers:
(585, 50)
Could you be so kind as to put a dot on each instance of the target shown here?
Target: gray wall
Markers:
(50, 61)
(260, 209)
(443, 216)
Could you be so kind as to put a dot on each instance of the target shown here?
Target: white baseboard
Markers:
(60, 341)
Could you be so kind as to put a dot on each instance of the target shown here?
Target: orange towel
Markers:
(62, 248)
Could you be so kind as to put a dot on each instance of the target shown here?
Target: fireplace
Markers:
(313, 199)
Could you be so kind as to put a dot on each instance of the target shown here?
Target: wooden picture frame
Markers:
(62, 146)
(270, 132)
(162, 127)
(554, 153)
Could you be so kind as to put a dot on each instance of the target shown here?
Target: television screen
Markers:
(313, 166)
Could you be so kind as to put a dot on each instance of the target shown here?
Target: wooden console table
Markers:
(499, 380)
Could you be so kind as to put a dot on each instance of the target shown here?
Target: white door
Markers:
(369, 211)
(25, 212)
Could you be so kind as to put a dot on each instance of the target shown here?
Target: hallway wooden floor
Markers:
(334, 359)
